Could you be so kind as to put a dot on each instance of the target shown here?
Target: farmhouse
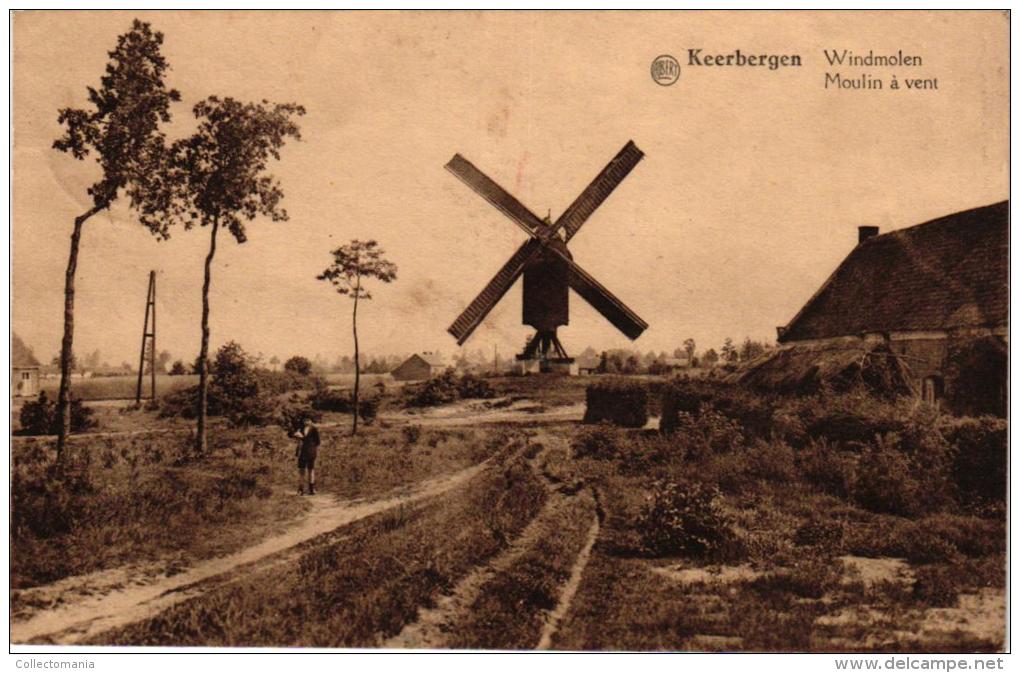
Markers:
(923, 309)
(419, 367)
(24, 369)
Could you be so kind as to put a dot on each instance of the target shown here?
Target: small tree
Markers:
(122, 130)
(298, 365)
(710, 357)
(729, 352)
(217, 178)
(689, 348)
(178, 369)
(352, 264)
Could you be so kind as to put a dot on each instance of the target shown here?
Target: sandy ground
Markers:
(120, 597)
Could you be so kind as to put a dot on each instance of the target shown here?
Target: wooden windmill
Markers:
(546, 264)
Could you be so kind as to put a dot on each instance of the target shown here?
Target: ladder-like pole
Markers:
(150, 305)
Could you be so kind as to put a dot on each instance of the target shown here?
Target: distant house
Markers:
(419, 367)
(24, 369)
(923, 309)
(587, 364)
(674, 364)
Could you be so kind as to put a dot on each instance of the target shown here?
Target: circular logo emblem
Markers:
(665, 70)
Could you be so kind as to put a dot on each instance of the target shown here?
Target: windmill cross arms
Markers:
(604, 301)
(487, 188)
(504, 279)
(600, 188)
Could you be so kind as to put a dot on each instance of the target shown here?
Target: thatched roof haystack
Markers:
(837, 364)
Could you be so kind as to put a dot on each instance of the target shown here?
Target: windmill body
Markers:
(547, 266)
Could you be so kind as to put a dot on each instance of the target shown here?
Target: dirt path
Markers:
(569, 589)
(430, 629)
(133, 599)
(433, 626)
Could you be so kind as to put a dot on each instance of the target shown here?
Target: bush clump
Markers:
(620, 401)
(981, 459)
(447, 387)
(39, 417)
(684, 518)
(599, 441)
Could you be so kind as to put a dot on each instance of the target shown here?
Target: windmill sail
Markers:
(603, 301)
(494, 194)
(599, 189)
(504, 279)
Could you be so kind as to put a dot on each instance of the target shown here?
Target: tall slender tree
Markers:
(217, 178)
(352, 265)
(121, 129)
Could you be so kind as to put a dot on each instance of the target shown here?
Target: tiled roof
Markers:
(947, 273)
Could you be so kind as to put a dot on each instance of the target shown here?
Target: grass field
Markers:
(118, 387)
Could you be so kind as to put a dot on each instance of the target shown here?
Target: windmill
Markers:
(546, 264)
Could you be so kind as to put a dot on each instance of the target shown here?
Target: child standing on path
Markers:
(307, 450)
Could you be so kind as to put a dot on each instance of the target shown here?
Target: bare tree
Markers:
(217, 178)
(352, 265)
(122, 131)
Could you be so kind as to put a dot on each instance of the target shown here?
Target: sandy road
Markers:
(83, 616)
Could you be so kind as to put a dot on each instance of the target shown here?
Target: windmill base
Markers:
(556, 366)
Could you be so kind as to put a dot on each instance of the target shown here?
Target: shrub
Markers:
(885, 482)
(438, 390)
(411, 433)
(324, 398)
(292, 417)
(600, 441)
(901, 538)
(811, 577)
(831, 470)
(981, 458)
(183, 403)
(707, 433)
(47, 497)
(684, 518)
(39, 417)
(770, 460)
(820, 532)
(237, 390)
(617, 400)
(298, 365)
(936, 585)
(473, 387)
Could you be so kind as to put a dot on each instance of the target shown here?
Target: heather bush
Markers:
(620, 401)
(411, 433)
(684, 518)
(39, 417)
(438, 390)
(751, 411)
(707, 433)
(810, 577)
(885, 482)
(826, 467)
(821, 532)
(770, 460)
(474, 387)
(598, 441)
(981, 459)
(937, 586)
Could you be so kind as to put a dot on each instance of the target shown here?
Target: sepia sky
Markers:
(750, 193)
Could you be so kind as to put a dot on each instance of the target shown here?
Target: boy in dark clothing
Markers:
(307, 450)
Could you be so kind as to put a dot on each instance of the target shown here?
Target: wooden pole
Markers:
(150, 304)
